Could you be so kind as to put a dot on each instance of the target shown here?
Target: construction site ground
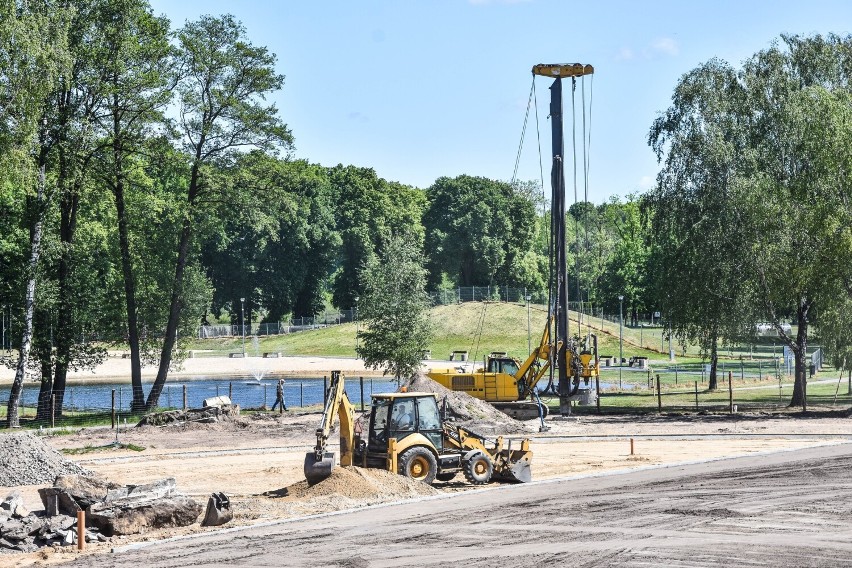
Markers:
(254, 459)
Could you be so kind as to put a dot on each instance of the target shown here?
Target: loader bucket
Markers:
(318, 470)
(514, 467)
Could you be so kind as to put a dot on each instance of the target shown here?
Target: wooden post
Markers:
(184, 397)
(730, 392)
(81, 530)
(659, 396)
(742, 369)
(675, 373)
(217, 389)
(361, 382)
(696, 395)
(598, 393)
(231, 391)
(53, 410)
(301, 393)
(113, 409)
(324, 390)
(631, 446)
(264, 395)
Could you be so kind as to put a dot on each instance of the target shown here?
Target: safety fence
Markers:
(754, 386)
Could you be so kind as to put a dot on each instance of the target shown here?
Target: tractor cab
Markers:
(401, 416)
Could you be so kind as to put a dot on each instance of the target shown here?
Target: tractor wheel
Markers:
(477, 467)
(449, 476)
(418, 463)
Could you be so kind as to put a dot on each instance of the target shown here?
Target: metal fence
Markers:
(276, 328)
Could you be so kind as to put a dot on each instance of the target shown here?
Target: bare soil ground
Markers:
(257, 460)
(786, 509)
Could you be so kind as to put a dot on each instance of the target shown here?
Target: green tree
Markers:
(277, 247)
(33, 41)
(695, 254)
(394, 310)
(225, 79)
(481, 232)
(369, 210)
(134, 61)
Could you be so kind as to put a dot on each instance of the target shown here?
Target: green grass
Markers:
(475, 327)
(89, 449)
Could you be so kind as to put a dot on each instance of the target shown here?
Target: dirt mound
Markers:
(360, 483)
(480, 416)
(27, 460)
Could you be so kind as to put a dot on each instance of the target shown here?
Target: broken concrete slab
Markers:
(86, 490)
(128, 517)
(58, 502)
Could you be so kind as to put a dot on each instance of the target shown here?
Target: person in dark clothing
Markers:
(279, 397)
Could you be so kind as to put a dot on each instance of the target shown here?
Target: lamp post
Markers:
(620, 337)
(356, 326)
(243, 323)
(529, 337)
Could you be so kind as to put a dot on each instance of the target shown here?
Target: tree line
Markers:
(148, 187)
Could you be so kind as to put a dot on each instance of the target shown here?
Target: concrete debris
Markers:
(206, 415)
(29, 461)
(111, 509)
(133, 516)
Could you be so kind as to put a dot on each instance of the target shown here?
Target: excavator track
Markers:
(520, 410)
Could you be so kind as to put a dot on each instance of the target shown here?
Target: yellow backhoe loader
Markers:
(407, 434)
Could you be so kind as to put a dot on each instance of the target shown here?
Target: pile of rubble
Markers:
(110, 509)
(28, 460)
(23, 531)
(205, 415)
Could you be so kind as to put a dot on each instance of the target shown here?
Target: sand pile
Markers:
(26, 460)
(477, 414)
(360, 483)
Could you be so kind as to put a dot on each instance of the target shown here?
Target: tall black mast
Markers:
(557, 223)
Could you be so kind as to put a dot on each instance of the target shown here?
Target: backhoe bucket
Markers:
(514, 466)
(318, 470)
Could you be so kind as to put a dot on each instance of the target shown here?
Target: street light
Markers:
(529, 337)
(620, 337)
(356, 326)
(243, 323)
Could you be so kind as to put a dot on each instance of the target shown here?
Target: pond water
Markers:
(247, 391)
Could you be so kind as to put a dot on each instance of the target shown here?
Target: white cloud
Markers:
(665, 46)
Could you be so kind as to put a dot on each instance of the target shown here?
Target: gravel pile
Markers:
(360, 483)
(476, 414)
(26, 460)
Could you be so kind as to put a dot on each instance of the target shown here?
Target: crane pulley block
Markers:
(562, 70)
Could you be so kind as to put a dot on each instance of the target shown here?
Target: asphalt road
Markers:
(783, 509)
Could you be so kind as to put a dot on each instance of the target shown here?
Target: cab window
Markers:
(402, 416)
(378, 425)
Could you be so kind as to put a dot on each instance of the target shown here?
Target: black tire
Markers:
(418, 463)
(448, 476)
(477, 467)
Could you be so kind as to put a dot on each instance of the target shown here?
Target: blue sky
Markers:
(422, 89)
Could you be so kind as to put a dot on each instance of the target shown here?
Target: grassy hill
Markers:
(476, 327)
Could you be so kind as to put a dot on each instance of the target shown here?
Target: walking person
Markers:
(279, 397)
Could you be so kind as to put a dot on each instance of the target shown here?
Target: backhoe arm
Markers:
(320, 462)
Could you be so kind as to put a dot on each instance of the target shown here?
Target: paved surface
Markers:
(785, 509)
